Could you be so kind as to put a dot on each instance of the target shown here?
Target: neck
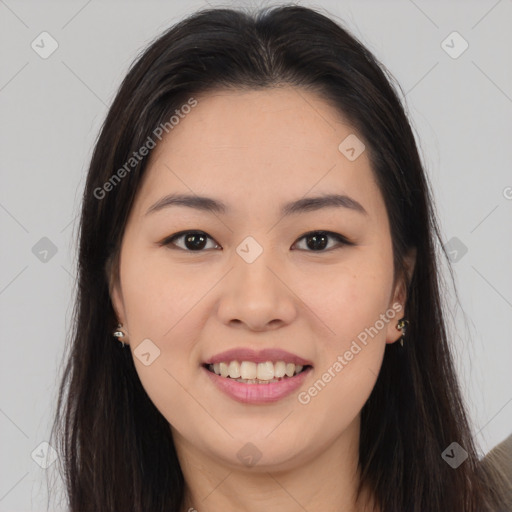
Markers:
(327, 480)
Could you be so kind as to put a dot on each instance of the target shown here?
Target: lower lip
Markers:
(257, 393)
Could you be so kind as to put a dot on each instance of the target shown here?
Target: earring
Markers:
(119, 334)
(402, 326)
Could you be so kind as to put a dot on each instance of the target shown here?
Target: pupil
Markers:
(198, 245)
(316, 239)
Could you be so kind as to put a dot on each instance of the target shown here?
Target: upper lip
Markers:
(260, 356)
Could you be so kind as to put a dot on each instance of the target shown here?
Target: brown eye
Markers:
(197, 241)
(317, 241)
(193, 241)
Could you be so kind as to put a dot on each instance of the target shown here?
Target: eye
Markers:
(318, 240)
(196, 241)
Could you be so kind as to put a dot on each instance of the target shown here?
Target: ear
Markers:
(399, 299)
(116, 295)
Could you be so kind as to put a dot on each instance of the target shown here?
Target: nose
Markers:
(256, 295)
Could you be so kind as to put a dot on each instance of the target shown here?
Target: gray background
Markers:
(52, 109)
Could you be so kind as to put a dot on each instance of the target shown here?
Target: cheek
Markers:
(354, 304)
(157, 297)
(352, 297)
(349, 360)
(160, 306)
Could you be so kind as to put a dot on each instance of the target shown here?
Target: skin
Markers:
(255, 150)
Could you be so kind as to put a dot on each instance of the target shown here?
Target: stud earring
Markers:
(118, 333)
(402, 326)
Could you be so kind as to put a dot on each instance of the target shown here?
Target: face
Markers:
(308, 286)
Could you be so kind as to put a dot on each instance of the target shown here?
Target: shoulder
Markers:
(499, 464)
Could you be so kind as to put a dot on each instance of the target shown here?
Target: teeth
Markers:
(256, 381)
(265, 371)
(279, 369)
(224, 370)
(248, 370)
(234, 370)
(254, 373)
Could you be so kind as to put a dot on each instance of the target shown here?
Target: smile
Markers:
(248, 372)
(255, 391)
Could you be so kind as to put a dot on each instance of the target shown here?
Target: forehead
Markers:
(290, 118)
(259, 146)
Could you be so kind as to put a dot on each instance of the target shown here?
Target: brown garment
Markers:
(500, 458)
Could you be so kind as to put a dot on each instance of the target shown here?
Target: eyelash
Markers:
(339, 238)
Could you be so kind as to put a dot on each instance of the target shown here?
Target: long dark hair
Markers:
(117, 452)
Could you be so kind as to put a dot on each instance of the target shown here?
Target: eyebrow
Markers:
(307, 204)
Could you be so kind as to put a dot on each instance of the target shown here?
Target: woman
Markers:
(258, 233)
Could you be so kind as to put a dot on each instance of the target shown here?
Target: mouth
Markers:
(257, 377)
(249, 372)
